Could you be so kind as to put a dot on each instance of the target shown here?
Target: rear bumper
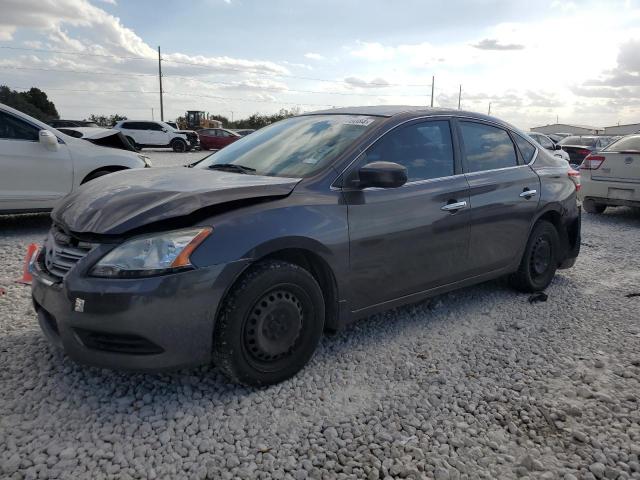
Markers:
(148, 324)
(615, 193)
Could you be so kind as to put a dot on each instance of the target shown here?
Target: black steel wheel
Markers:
(269, 324)
(540, 259)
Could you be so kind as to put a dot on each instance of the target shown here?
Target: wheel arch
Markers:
(310, 260)
(107, 168)
(552, 213)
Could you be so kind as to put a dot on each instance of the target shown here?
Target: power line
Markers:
(216, 82)
(229, 68)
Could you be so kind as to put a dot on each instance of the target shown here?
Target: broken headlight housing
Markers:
(151, 254)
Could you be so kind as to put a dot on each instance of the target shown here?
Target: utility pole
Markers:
(459, 96)
(489, 112)
(160, 78)
(152, 114)
(557, 118)
(433, 83)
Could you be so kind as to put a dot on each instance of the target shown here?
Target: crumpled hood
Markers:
(119, 202)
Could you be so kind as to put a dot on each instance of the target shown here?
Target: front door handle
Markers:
(528, 193)
(453, 207)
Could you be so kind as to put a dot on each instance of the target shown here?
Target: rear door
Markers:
(503, 192)
(154, 134)
(31, 176)
(401, 240)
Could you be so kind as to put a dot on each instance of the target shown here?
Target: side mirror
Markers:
(382, 175)
(48, 140)
(164, 130)
(557, 147)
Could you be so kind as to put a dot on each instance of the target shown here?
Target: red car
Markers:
(216, 138)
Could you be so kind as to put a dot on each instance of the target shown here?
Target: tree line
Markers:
(34, 102)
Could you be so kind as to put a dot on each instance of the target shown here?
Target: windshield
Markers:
(295, 147)
(625, 144)
(584, 141)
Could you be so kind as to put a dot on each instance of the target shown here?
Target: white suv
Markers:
(39, 164)
(145, 134)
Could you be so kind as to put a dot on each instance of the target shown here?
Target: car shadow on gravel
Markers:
(25, 224)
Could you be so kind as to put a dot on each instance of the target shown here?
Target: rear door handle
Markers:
(528, 193)
(453, 206)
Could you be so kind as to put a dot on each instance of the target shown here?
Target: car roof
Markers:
(405, 110)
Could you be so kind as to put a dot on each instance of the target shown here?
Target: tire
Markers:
(592, 207)
(540, 259)
(179, 145)
(94, 175)
(269, 325)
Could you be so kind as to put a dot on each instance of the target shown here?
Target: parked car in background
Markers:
(303, 226)
(578, 147)
(550, 145)
(173, 124)
(611, 177)
(39, 164)
(73, 123)
(151, 134)
(216, 138)
(243, 131)
(105, 137)
(556, 137)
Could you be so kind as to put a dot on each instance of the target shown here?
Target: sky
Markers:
(535, 62)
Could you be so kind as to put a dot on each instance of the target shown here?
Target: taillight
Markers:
(583, 151)
(574, 175)
(592, 162)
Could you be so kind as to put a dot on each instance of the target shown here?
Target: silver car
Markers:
(611, 177)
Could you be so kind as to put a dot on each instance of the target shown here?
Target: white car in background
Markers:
(548, 144)
(153, 134)
(39, 164)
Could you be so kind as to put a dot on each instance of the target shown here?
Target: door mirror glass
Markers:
(557, 147)
(382, 175)
(48, 140)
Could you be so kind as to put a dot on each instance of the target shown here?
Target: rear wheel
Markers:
(179, 145)
(540, 260)
(269, 325)
(590, 206)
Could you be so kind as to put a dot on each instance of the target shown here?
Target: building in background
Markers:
(567, 128)
(622, 129)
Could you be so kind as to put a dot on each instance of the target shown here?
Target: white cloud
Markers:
(313, 56)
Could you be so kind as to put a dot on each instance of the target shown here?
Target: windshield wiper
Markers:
(232, 167)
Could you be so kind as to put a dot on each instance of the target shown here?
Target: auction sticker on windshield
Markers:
(363, 122)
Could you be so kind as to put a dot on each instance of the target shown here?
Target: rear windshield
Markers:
(583, 141)
(625, 144)
(295, 147)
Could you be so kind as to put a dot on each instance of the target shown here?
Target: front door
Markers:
(504, 194)
(31, 176)
(402, 241)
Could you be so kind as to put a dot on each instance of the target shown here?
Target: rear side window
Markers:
(626, 144)
(487, 147)
(12, 128)
(131, 126)
(425, 149)
(526, 149)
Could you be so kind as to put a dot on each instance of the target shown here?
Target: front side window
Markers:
(425, 149)
(487, 147)
(295, 147)
(12, 128)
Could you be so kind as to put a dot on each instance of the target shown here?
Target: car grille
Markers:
(117, 342)
(62, 253)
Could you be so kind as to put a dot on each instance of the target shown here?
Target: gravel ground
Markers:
(474, 384)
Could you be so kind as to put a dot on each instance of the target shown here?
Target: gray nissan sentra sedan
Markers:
(247, 257)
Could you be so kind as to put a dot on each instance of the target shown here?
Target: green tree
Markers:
(33, 102)
(106, 121)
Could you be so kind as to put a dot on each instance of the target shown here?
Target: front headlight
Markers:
(152, 254)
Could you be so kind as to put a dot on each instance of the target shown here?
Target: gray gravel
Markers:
(474, 384)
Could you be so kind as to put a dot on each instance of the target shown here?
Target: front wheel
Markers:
(179, 145)
(540, 260)
(269, 324)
